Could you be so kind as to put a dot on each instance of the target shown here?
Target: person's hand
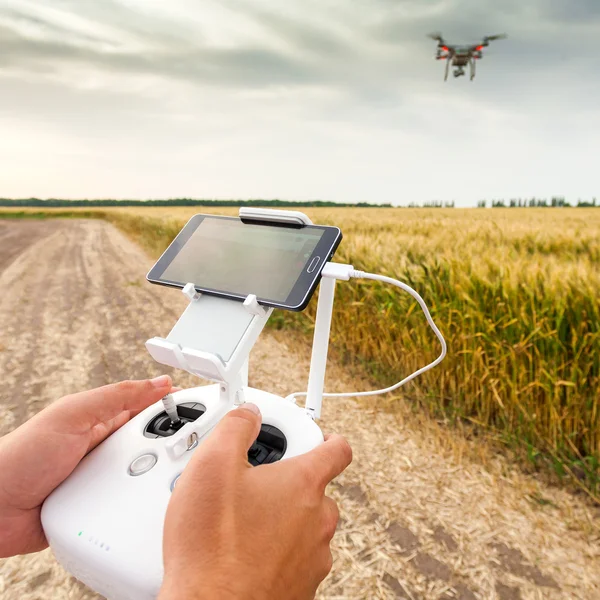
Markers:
(38, 456)
(257, 533)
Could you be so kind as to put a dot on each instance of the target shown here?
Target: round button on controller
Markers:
(142, 464)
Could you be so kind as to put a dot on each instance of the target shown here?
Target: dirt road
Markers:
(421, 517)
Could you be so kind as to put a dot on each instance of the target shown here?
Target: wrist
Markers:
(183, 588)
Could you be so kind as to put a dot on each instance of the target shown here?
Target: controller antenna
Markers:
(171, 408)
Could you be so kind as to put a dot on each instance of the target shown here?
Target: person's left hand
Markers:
(39, 455)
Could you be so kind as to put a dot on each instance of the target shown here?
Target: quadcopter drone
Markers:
(460, 56)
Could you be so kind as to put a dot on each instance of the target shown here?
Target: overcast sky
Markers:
(297, 99)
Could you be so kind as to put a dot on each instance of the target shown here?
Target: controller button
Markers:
(174, 482)
(142, 464)
(192, 441)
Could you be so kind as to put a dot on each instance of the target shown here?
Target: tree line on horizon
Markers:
(555, 202)
(57, 202)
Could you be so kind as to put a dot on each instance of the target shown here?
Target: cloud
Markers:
(179, 59)
(240, 67)
(373, 46)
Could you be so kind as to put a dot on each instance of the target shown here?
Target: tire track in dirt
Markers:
(419, 519)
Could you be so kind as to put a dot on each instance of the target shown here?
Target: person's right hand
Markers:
(257, 533)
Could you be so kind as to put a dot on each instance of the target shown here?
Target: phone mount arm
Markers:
(318, 360)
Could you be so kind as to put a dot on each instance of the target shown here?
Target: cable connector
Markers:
(337, 271)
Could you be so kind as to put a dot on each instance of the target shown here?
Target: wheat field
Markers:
(516, 293)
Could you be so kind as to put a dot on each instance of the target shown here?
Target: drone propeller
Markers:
(436, 35)
(498, 36)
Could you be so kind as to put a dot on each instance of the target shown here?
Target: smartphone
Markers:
(280, 264)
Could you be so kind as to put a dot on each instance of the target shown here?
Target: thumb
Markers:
(235, 433)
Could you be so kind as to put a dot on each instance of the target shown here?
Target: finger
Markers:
(86, 409)
(236, 432)
(101, 431)
(328, 460)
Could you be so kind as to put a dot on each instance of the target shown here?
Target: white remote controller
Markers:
(105, 522)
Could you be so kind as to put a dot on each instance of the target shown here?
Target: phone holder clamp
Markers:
(214, 336)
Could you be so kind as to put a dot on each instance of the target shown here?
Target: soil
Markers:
(422, 517)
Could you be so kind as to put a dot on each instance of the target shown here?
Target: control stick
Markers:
(171, 409)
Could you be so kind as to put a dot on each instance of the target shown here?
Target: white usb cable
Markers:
(345, 272)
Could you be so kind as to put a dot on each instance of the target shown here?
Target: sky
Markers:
(298, 100)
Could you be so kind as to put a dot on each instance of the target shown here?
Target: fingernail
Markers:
(162, 381)
(251, 407)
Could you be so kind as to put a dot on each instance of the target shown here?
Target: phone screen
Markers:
(229, 256)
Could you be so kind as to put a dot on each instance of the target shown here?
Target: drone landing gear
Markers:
(447, 69)
(473, 63)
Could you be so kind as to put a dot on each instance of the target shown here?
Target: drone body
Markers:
(461, 56)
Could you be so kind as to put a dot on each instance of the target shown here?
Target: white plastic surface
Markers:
(212, 338)
(211, 324)
(189, 290)
(253, 307)
(105, 526)
(318, 360)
